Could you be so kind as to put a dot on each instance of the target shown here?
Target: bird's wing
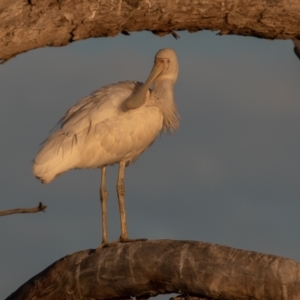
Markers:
(75, 126)
(102, 115)
(96, 107)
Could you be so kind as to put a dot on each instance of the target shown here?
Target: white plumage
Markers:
(115, 124)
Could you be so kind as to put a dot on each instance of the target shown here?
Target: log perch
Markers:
(145, 269)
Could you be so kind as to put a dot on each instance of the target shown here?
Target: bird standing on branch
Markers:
(115, 124)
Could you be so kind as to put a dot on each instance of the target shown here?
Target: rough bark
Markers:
(30, 24)
(40, 207)
(145, 269)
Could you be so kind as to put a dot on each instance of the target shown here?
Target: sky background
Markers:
(230, 175)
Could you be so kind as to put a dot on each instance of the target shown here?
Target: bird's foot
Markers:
(119, 240)
(103, 245)
(127, 240)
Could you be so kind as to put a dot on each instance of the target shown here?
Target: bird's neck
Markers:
(163, 97)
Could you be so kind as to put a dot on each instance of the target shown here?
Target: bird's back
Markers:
(99, 130)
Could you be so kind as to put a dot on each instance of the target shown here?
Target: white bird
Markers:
(115, 124)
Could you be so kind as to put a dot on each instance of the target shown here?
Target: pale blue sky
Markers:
(229, 175)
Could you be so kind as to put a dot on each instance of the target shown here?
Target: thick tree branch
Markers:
(145, 269)
(40, 207)
(26, 25)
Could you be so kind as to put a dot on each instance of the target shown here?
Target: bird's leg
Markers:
(103, 199)
(121, 193)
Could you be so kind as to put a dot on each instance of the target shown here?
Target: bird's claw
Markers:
(103, 245)
(119, 240)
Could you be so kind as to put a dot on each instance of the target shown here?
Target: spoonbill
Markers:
(114, 124)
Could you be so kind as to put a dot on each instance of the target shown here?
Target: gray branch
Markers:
(145, 269)
(40, 207)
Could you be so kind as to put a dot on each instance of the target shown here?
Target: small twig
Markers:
(163, 33)
(297, 47)
(40, 207)
(188, 297)
(175, 35)
(125, 32)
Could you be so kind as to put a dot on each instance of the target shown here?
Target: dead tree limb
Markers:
(31, 24)
(145, 269)
(40, 207)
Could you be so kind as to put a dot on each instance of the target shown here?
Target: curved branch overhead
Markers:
(31, 24)
(145, 269)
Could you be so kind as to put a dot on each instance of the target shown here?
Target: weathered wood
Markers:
(145, 269)
(30, 24)
(40, 207)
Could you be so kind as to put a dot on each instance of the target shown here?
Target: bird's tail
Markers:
(58, 155)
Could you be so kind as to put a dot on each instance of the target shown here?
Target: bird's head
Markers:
(165, 68)
(166, 64)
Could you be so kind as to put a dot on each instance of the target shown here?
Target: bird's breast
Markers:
(123, 136)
